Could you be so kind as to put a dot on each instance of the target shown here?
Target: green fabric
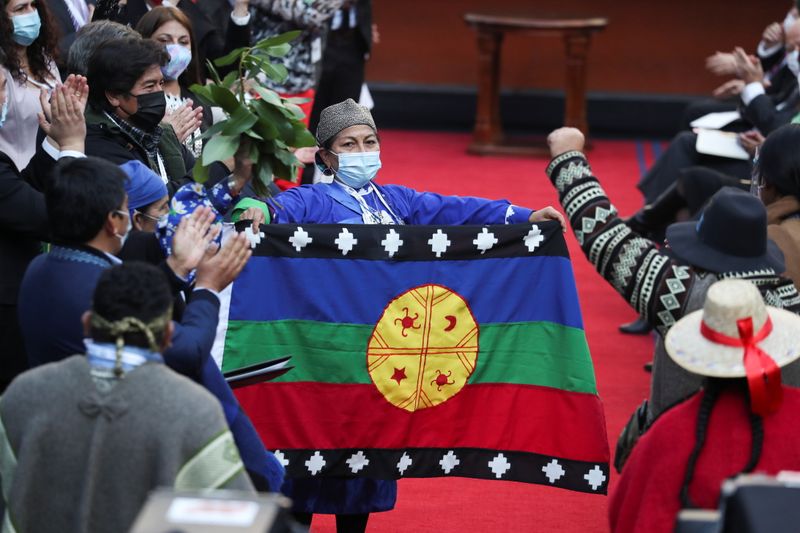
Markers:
(555, 356)
(796, 119)
(244, 204)
(212, 467)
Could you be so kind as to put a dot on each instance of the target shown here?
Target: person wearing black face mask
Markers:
(126, 107)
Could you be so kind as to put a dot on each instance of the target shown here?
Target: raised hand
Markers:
(548, 213)
(729, 89)
(748, 67)
(565, 140)
(192, 238)
(751, 140)
(184, 120)
(217, 270)
(62, 113)
(721, 64)
(773, 34)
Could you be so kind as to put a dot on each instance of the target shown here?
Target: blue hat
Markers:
(143, 185)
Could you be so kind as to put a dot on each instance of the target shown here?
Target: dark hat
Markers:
(337, 117)
(731, 236)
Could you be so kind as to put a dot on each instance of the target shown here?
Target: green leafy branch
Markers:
(256, 115)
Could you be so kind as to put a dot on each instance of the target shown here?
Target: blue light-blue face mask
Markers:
(4, 113)
(358, 168)
(26, 28)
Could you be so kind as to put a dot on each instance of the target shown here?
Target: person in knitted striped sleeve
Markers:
(729, 241)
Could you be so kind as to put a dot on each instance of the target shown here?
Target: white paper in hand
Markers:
(715, 121)
(721, 144)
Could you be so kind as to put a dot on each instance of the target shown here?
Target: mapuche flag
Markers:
(420, 351)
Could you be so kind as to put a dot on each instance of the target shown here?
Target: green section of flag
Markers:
(524, 353)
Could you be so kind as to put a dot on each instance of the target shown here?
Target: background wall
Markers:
(643, 68)
(649, 46)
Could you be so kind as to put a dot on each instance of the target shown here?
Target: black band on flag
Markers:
(407, 243)
(580, 476)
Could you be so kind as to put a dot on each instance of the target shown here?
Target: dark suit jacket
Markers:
(23, 219)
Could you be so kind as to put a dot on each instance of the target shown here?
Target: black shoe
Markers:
(648, 367)
(639, 326)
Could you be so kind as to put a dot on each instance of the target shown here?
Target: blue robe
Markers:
(327, 203)
(330, 204)
(58, 288)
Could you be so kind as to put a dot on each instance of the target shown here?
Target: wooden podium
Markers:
(488, 135)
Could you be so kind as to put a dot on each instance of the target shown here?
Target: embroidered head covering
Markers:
(338, 117)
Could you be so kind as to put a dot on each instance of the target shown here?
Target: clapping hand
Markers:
(184, 120)
(192, 238)
(729, 89)
(62, 117)
(721, 64)
(773, 35)
(748, 68)
(218, 269)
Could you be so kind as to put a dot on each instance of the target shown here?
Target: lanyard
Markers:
(350, 198)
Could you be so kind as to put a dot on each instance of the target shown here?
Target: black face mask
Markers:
(150, 109)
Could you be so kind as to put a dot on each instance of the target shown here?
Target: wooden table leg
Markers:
(577, 48)
(488, 129)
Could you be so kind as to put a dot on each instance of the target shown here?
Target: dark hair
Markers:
(89, 37)
(713, 388)
(79, 197)
(779, 160)
(131, 290)
(41, 53)
(117, 64)
(157, 17)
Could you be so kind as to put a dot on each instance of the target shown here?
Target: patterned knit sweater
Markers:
(655, 284)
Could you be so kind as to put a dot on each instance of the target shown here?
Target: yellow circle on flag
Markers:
(424, 348)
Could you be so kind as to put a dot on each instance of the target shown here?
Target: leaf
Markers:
(292, 111)
(277, 40)
(297, 100)
(267, 119)
(203, 92)
(241, 121)
(275, 72)
(277, 51)
(212, 71)
(268, 95)
(283, 171)
(224, 98)
(213, 130)
(286, 157)
(253, 135)
(230, 79)
(303, 137)
(230, 58)
(220, 148)
(200, 173)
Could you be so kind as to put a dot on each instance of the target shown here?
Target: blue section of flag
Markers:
(356, 291)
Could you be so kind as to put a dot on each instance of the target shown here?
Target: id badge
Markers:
(316, 50)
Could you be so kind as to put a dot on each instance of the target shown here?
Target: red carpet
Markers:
(438, 162)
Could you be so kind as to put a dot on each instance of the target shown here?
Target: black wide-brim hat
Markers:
(731, 236)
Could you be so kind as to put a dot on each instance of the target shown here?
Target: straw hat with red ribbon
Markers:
(736, 335)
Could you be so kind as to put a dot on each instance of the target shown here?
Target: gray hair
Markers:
(89, 38)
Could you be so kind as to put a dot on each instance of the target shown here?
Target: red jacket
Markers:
(647, 497)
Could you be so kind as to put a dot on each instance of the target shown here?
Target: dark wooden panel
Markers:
(649, 46)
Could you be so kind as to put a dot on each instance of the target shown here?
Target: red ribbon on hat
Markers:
(763, 374)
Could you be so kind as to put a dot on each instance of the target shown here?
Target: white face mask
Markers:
(793, 61)
(788, 22)
(124, 238)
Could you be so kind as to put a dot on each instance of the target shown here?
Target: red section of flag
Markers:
(522, 418)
